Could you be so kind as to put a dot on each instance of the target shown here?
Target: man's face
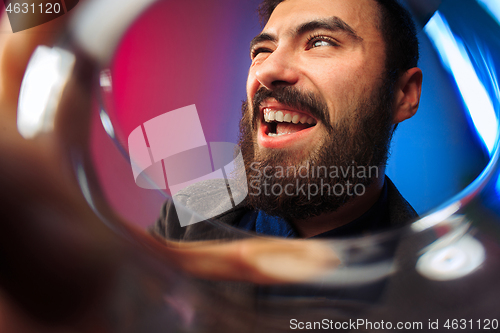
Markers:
(317, 95)
(330, 48)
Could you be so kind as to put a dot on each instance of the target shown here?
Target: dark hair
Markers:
(397, 28)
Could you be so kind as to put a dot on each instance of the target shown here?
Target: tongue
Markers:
(289, 128)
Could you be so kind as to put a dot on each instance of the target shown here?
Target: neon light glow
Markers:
(456, 60)
(492, 7)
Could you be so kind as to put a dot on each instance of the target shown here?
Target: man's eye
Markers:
(317, 41)
(320, 43)
(257, 51)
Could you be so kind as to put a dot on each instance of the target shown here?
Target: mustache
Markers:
(294, 98)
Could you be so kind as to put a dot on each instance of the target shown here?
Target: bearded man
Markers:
(329, 82)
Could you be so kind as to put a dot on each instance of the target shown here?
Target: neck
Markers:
(347, 213)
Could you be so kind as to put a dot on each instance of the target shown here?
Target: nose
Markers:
(278, 69)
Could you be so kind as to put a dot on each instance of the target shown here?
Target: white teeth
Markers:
(274, 135)
(279, 116)
(271, 115)
(287, 116)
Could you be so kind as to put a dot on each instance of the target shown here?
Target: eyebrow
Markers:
(334, 24)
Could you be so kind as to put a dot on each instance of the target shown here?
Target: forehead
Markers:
(361, 15)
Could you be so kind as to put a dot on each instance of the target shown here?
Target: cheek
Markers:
(339, 85)
(342, 87)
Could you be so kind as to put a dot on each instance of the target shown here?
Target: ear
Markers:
(407, 95)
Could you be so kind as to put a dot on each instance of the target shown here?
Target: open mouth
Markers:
(285, 122)
(285, 128)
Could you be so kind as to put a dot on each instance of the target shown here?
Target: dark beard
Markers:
(358, 141)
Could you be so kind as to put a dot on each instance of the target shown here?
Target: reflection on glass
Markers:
(47, 73)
